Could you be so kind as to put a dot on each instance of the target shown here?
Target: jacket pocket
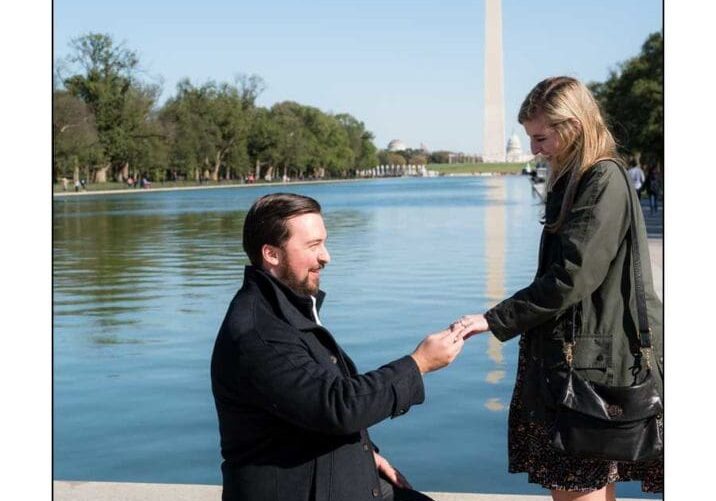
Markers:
(592, 358)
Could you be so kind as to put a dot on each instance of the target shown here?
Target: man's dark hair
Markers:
(266, 221)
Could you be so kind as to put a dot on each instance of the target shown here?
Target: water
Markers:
(142, 282)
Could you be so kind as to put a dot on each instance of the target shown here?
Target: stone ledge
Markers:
(124, 491)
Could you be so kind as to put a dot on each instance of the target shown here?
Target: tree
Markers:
(262, 139)
(208, 127)
(120, 103)
(74, 136)
(633, 101)
(183, 116)
(292, 141)
(250, 88)
(440, 157)
(360, 141)
(386, 157)
(147, 149)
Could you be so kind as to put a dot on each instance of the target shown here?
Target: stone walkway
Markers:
(111, 491)
(655, 233)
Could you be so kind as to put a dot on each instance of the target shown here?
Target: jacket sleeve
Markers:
(286, 381)
(589, 238)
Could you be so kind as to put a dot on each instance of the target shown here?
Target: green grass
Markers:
(475, 168)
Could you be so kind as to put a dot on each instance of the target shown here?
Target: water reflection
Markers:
(495, 288)
(141, 285)
(117, 261)
(115, 267)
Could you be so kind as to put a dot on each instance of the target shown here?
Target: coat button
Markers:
(365, 447)
(375, 492)
(334, 360)
(600, 357)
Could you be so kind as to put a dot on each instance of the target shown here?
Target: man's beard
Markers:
(302, 287)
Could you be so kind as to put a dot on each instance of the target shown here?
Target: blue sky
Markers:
(411, 70)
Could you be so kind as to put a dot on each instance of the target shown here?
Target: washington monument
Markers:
(494, 126)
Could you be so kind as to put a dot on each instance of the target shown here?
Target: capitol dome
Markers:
(397, 145)
(514, 149)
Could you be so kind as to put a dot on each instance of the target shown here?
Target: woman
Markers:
(585, 281)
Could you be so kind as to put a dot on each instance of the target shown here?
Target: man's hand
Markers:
(438, 350)
(470, 325)
(389, 473)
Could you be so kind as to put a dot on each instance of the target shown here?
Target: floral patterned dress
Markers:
(530, 452)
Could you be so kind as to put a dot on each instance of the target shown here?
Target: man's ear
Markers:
(271, 254)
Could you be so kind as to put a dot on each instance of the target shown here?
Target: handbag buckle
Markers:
(646, 352)
(567, 349)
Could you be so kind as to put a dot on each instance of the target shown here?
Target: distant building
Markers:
(397, 145)
(514, 150)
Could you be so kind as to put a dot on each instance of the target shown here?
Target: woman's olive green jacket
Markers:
(586, 264)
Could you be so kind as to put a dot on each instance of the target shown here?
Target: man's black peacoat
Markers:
(293, 411)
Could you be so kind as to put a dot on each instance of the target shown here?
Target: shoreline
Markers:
(124, 191)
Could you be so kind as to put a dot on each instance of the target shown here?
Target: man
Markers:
(293, 410)
(636, 174)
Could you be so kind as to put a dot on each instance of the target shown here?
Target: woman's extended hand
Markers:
(472, 324)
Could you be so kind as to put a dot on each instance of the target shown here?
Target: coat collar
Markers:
(296, 309)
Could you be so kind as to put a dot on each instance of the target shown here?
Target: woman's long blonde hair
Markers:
(571, 110)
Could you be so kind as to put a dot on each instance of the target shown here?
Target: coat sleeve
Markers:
(589, 238)
(286, 381)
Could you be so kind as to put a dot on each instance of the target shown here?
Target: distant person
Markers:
(130, 182)
(637, 176)
(78, 185)
(293, 409)
(653, 189)
(64, 183)
(580, 312)
(83, 183)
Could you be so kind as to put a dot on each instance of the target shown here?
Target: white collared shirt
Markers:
(315, 312)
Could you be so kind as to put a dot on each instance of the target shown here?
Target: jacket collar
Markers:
(295, 308)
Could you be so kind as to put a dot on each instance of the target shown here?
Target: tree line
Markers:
(109, 126)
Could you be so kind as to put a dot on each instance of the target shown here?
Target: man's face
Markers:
(304, 254)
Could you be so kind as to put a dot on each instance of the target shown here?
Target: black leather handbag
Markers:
(596, 421)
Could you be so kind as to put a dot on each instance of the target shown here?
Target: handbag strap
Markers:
(644, 334)
(644, 329)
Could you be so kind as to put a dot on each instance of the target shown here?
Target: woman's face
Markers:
(544, 139)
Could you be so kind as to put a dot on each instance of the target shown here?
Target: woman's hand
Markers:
(472, 324)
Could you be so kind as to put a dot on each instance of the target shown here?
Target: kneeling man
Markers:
(293, 410)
